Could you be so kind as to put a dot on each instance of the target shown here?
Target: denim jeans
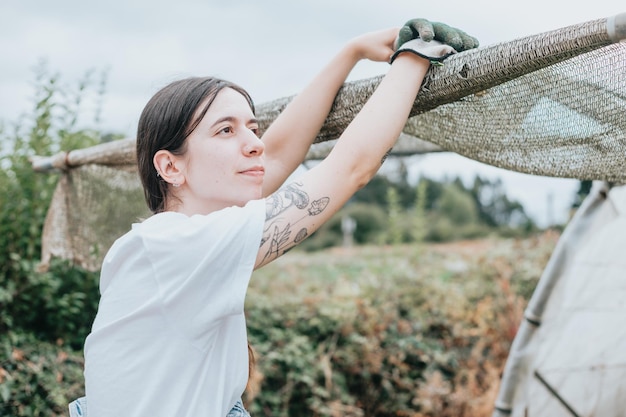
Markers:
(238, 411)
(78, 408)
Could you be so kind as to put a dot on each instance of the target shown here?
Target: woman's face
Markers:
(224, 161)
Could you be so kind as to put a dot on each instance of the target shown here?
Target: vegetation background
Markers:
(414, 318)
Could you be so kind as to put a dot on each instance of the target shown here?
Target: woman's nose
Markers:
(253, 145)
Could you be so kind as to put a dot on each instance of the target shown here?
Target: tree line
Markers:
(393, 211)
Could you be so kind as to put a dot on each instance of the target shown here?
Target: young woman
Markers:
(170, 338)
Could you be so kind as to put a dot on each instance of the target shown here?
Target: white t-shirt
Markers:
(169, 338)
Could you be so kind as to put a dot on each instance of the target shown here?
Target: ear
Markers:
(168, 166)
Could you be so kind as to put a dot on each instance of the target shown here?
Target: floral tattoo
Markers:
(278, 231)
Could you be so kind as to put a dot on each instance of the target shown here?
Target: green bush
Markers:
(37, 378)
(377, 332)
(60, 302)
(44, 316)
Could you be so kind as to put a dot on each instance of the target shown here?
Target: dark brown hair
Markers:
(166, 122)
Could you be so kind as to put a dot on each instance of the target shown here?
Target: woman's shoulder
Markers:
(170, 222)
(192, 239)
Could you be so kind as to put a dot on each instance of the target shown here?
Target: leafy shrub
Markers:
(375, 332)
(44, 316)
(37, 378)
(61, 302)
(58, 304)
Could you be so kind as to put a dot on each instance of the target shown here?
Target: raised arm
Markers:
(299, 208)
(289, 137)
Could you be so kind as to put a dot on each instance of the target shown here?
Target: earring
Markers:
(175, 184)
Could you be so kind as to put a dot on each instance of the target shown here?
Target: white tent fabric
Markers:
(574, 362)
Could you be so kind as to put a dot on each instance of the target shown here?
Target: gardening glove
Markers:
(434, 51)
(428, 31)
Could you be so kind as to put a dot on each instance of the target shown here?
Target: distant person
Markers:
(169, 338)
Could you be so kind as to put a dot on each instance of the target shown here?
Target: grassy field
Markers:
(397, 330)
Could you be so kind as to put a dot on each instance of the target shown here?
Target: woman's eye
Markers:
(226, 129)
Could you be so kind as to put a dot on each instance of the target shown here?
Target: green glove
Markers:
(428, 31)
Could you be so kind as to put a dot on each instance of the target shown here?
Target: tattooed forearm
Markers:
(278, 236)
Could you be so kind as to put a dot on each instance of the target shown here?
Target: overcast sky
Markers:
(272, 48)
